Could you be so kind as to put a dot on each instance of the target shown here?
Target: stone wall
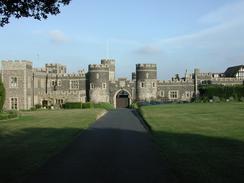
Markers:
(21, 70)
(184, 90)
(54, 86)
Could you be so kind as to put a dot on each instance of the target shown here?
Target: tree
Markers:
(38, 9)
(2, 95)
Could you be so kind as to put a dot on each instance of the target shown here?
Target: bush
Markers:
(8, 115)
(104, 105)
(72, 105)
(134, 105)
(216, 99)
(38, 106)
(87, 105)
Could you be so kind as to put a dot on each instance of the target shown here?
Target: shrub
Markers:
(72, 105)
(87, 105)
(38, 106)
(216, 99)
(134, 105)
(8, 115)
(104, 105)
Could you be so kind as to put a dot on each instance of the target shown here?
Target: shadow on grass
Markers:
(30, 148)
(118, 155)
(202, 159)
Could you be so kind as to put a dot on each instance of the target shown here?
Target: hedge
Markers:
(223, 92)
(8, 115)
(87, 105)
(72, 105)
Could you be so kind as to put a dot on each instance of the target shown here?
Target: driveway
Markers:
(115, 149)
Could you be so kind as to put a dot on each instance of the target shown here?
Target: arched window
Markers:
(97, 75)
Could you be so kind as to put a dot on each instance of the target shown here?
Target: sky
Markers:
(174, 34)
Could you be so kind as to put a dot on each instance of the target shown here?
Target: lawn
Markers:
(27, 142)
(202, 143)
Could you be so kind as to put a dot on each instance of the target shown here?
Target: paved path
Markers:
(116, 149)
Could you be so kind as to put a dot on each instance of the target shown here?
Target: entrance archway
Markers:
(122, 99)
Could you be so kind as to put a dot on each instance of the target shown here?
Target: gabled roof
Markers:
(231, 71)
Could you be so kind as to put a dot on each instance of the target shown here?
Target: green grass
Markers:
(27, 142)
(202, 143)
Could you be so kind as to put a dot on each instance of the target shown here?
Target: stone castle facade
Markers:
(52, 86)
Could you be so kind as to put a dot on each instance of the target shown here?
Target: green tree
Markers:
(38, 9)
(2, 95)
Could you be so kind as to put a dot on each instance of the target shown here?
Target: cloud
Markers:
(58, 37)
(226, 13)
(148, 50)
(226, 31)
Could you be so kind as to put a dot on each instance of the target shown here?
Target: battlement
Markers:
(16, 64)
(54, 65)
(98, 66)
(146, 66)
(227, 79)
(108, 61)
(175, 82)
(75, 75)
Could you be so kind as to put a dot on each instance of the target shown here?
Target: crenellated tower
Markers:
(98, 77)
(146, 82)
(111, 65)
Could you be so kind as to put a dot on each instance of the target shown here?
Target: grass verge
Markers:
(27, 142)
(202, 143)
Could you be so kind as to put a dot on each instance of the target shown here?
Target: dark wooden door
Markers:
(122, 102)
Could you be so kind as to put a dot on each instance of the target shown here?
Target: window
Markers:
(53, 83)
(59, 101)
(13, 82)
(142, 84)
(97, 75)
(92, 86)
(104, 85)
(59, 82)
(173, 94)
(14, 103)
(188, 94)
(74, 84)
(153, 84)
(161, 94)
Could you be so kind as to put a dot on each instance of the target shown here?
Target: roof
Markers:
(231, 71)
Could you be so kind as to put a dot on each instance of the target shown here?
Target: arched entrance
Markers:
(122, 99)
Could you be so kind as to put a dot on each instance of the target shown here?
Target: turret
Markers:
(146, 82)
(111, 64)
(98, 77)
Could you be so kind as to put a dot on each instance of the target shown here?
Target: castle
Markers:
(52, 86)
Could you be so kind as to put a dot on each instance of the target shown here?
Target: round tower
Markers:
(146, 82)
(98, 77)
(111, 64)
